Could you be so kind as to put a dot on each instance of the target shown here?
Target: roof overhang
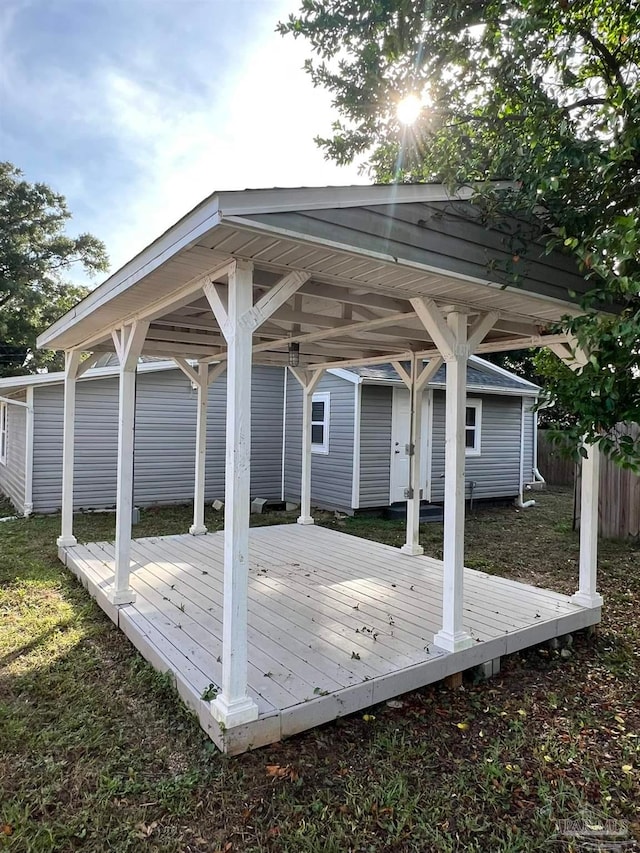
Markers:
(164, 282)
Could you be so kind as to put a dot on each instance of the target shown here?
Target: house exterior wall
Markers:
(375, 445)
(12, 474)
(164, 441)
(331, 474)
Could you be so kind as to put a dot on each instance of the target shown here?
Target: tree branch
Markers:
(606, 56)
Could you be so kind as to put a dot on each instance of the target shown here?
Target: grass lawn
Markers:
(98, 754)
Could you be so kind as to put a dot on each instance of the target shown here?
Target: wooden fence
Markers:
(558, 470)
(619, 504)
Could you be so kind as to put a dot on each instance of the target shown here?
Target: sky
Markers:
(136, 110)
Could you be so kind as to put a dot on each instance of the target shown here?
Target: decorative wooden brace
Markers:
(587, 595)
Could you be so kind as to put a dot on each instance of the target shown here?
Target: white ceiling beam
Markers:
(170, 336)
(339, 294)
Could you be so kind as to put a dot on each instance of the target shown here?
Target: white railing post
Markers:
(129, 342)
(198, 527)
(71, 364)
(587, 594)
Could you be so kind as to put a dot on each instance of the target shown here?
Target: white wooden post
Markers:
(455, 344)
(587, 594)
(238, 318)
(309, 383)
(198, 527)
(233, 706)
(71, 364)
(453, 637)
(420, 376)
(412, 545)
(129, 342)
(305, 516)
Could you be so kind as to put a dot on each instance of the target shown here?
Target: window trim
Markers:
(323, 447)
(476, 450)
(4, 432)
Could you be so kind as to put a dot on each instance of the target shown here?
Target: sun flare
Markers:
(409, 108)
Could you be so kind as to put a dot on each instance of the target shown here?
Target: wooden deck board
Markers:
(317, 597)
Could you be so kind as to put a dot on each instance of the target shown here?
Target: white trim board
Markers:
(355, 456)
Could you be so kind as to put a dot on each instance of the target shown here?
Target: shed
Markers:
(165, 432)
(356, 465)
(361, 450)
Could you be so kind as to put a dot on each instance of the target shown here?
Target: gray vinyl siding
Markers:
(496, 472)
(375, 445)
(164, 441)
(12, 474)
(331, 474)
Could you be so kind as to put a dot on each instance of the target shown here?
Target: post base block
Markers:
(198, 530)
(236, 713)
(121, 596)
(66, 541)
(585, 599)
(304, 519)
(412, 550)
(452, 642)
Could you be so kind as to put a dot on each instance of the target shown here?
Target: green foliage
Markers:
(544, 94)
(35, 255)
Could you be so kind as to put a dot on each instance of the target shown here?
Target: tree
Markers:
(544, 94)
(35, 255)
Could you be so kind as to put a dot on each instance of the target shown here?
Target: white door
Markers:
(400, 435)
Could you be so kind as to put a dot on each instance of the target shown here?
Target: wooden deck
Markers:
(336, 623)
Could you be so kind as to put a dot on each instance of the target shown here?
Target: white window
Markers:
(320, 423)
(4, 412)
(472, 430)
